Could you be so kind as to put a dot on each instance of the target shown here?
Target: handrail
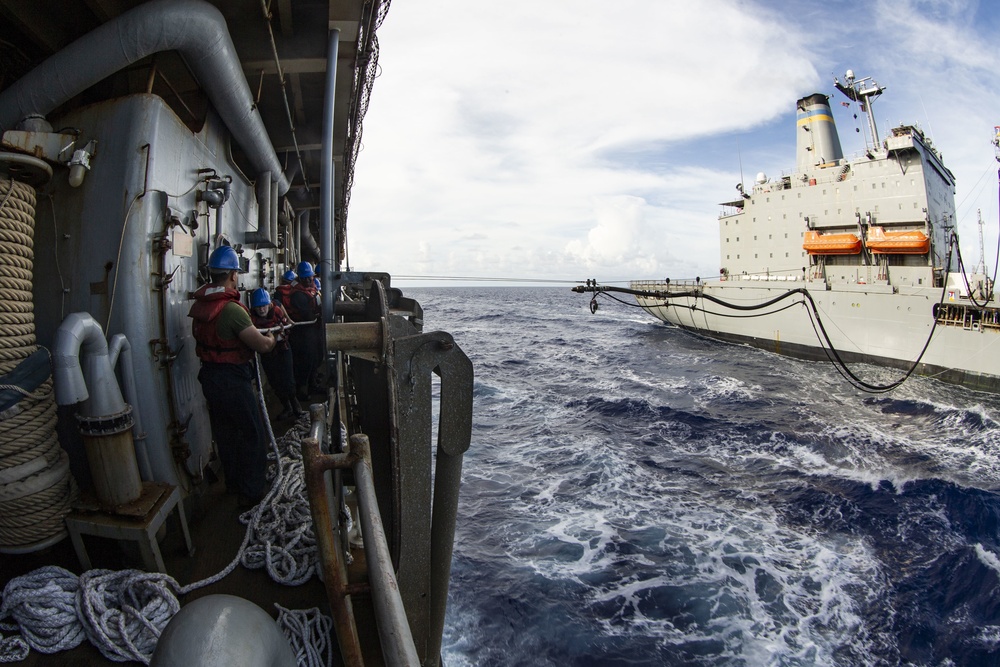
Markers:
(398, 648)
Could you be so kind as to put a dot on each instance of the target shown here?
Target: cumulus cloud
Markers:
(527, 139)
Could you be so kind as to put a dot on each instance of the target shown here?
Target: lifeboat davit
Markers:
(831, 244)
(908, 242)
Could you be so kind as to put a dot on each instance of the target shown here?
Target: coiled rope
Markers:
(124, 612)
(308, 632)
(36, 488)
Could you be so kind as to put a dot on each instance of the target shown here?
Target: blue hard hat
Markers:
(289, 275)
(305, 270)
(317, 283)
(224, 258)
(260, 297)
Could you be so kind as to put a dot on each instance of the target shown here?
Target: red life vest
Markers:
(283, 295)
(274, 318)
(295, 313)
(208, 304)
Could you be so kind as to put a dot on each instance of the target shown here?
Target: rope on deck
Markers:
(124, 612)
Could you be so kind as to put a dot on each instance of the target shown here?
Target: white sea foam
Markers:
(988, 558)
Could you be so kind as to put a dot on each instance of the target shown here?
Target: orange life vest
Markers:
(208, 304)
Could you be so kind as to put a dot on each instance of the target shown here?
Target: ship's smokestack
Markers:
(818, 142)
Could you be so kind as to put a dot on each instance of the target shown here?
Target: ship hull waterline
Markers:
(865, 324)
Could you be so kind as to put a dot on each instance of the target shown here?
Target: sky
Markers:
(561, 141)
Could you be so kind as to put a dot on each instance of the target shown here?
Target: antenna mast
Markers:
(864, 92)
(981, 267)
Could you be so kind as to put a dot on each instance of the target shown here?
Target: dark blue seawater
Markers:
(637, 495)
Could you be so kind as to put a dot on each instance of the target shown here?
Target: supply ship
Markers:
(848, 259)
(137, 138)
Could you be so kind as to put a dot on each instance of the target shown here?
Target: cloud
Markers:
(527, 139)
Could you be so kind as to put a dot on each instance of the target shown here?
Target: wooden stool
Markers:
(137, 522)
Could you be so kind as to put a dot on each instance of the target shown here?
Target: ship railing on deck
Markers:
(405, 484)
(688, 284)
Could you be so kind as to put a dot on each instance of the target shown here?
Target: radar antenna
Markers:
(864, 92)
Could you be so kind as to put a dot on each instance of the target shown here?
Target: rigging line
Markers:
(975, 188)
(623, 302)
(118, 259)
(878, 389)
(718, 314)
(490, 279)
(284, 92)
(856, 381)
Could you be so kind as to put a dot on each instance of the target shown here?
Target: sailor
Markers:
(284, 290)
(225, 342)
(306, 340)
(277, 363)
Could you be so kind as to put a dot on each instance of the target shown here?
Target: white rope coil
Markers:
(43, 603)
(123, 613)
(283, 540)
(308, 631)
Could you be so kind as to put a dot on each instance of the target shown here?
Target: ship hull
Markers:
(865, 323)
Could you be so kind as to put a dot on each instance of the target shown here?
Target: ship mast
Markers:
(981, 267)
(864, 92)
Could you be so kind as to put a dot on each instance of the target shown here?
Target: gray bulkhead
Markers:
(144, 172)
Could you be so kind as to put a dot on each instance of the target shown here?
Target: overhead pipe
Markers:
(307, 242)
(272, 220)
(194, 28)
(330, 261)
(262, 189)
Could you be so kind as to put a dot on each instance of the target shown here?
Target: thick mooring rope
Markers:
(33, 500)
(17, 224)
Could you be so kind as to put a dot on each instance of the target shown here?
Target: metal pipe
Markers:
(263, 191)
(121, 349)
(309, 248)
(328, 242)
(272, 226)
(394, 628)
(194, 28)
(334, 571)
(91, 381)
(348, 336)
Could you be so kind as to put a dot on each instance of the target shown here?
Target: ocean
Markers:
(638, 495)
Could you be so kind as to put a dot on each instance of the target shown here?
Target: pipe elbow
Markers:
(80, 363)
(67, 374)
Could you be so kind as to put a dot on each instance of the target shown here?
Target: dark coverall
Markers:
(226, 378)
(277, 363)
(306, 340)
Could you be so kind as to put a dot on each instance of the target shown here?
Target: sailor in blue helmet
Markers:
(226, 340)
(306, 340)
(284, 290)
(277, 363)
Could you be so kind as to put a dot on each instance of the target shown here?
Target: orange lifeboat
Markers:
(908, 242)
(831, 244)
